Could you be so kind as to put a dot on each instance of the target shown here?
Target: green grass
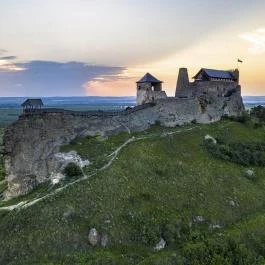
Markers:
(156, 187)
(96, 149)
(3, 186)
(2, 171)
(41, 190)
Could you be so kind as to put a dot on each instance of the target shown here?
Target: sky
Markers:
(102, 47)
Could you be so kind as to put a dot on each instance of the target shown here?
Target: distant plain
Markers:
(10, 107)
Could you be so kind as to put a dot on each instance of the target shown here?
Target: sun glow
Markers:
(114, 85)
(6, 66)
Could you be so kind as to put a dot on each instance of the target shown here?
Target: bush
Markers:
(2, 173)
(72, 170)
(171, 232)
(244, 118)
(157, 123)
(223, 251)
(258, 113)
(247, 154)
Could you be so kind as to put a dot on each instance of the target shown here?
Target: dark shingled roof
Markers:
(32, 102)
(212, 73)
(148, 78)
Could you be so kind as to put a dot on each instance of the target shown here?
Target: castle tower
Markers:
(236, 75)
(149, 89)
(183, 81)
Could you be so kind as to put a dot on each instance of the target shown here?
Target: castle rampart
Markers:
(32, 142)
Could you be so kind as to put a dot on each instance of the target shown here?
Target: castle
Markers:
(206, 82)
(32, 143)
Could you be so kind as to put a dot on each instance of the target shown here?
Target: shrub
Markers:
(257, 125)
(244, 118)
(74, 141)
(157, 123)
(258, 113)
(223, 251)
(247, 154)
(171, 232)
(72, 170)
(2, 173)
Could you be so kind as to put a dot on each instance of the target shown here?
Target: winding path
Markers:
(25, 204)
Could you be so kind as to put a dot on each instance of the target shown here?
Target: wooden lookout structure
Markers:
(149, 83)
(32, 104)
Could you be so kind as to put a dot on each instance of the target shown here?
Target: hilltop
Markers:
(162, 183)
(32, 143)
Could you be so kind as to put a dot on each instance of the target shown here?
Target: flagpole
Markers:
(238, 62)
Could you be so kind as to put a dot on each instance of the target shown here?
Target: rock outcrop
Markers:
(93, 237)
(160, 245)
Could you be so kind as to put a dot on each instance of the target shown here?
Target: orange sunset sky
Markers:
(101, 48)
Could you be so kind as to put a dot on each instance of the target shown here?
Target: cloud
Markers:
(8, 58)
(257, 39)
(2, 51)
(48, 78)
(120, 32)
(10, 67)
(5, 65)
(122, 84)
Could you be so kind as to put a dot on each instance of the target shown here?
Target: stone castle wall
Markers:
(144, 97)
(147, 93)
(218, 87)
(32, 142)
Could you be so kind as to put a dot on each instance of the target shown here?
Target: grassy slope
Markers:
(154, 185)
(3, 184)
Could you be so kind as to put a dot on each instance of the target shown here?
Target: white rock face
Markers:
(161, 245)
(71, 157)
(209, 137)
(61, 160)
(56, 177)
(93, 237)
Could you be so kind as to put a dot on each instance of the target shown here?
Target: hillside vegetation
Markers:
(165, 184)
(3, 183)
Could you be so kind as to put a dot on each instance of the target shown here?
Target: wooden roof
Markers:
(32, 102)
(212, 73)
(148, 78)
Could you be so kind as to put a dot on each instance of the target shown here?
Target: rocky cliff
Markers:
(32, 142)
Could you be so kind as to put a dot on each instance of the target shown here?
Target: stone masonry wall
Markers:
(148, 95)
(214, 88)
(32, 142)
